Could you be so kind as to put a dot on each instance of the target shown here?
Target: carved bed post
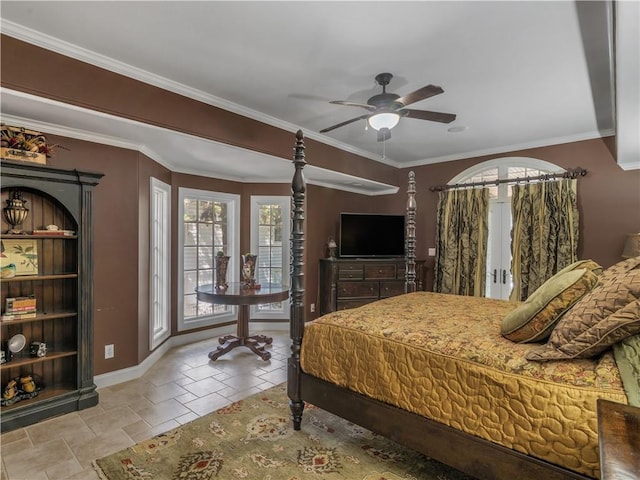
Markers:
(410, 253)
(297, 283)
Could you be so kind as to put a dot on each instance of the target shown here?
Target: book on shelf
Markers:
(54, 233)
(20, 304)
(7, 317)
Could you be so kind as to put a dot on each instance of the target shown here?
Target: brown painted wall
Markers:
(609, 198)
(116, 252)
(85, 85)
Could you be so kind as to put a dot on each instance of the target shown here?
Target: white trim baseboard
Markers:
(131, 373)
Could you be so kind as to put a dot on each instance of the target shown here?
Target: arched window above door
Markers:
(502, 169)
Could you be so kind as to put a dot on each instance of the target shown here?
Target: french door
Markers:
(499, 283)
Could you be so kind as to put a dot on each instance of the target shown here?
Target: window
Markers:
(209, 223)
(270, 226)
(159, 263)
(498, 274)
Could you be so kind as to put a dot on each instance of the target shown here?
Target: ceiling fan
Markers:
(386, 109)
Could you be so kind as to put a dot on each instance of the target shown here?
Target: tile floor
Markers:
(180, 387)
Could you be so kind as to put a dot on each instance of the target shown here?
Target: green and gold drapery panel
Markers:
(461, 241)
(544, 238)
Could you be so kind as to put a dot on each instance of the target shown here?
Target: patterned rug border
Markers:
(254, 439)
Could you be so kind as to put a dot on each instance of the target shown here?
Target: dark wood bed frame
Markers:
(472, 455)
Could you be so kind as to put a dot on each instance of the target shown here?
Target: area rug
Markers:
(254, 439)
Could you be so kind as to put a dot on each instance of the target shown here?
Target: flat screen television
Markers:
(367, 235)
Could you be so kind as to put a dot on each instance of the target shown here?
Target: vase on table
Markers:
(222, 263)
(249, 269)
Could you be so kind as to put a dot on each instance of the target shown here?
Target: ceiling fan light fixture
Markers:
(384, 120)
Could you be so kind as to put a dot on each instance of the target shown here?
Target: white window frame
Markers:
(229, 314)
(159, 262)
(285, 204)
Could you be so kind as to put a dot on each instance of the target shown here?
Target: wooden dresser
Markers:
(348, 283)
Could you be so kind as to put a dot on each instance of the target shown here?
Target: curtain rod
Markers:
(569, 173)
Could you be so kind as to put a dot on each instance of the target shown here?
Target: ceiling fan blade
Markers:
(361, 117)
(427, 115)
(353, 104)
(420, 94)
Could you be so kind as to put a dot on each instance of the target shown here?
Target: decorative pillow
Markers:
(627, 354)
(588, 264)
(534, 320)
(607, 314)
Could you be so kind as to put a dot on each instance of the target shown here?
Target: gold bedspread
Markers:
(443, 357)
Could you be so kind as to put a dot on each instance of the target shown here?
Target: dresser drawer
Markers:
(380, 271)
(350, 271)
(391, 288)
(357, 290)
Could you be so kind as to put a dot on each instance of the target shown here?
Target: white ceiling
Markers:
(517, 74)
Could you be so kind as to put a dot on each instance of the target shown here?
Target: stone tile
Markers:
(31, 463)
(207, 404)
(90, 412)
(165, 375)
(160, 393)
(16, 447)
(202, 372)
(13, 436)
(204, 387)
(241, 395)
(184, 381)
(276, 376)
(142, 431)
(243, 382)
(187, 397)
(127, 414)
(69, 426)
(86, 474)
(64, 470)
(186, 418)
(272, 365)
(162, 412)
(101, 446)
(112, 420)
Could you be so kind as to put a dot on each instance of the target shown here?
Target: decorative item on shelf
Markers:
(10, 393)
(222, 263)
(15, 345)
(37, 349)
(17, 143)
(249, 261)
(8, 270)
(332, 246)
(3, 356)
(54, 231)
(19, 388)
(631, 246)
(15, 213)
(22, 253)
(19, 308)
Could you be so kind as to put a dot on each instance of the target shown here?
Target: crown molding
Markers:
(62, 47)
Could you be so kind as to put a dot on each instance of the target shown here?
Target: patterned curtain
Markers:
(461, 241)
(544, 238)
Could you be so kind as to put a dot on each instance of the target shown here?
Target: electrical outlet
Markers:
(109, 351)
(313, 307)
(431, 252)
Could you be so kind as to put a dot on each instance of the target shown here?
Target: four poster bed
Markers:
(433, 372)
